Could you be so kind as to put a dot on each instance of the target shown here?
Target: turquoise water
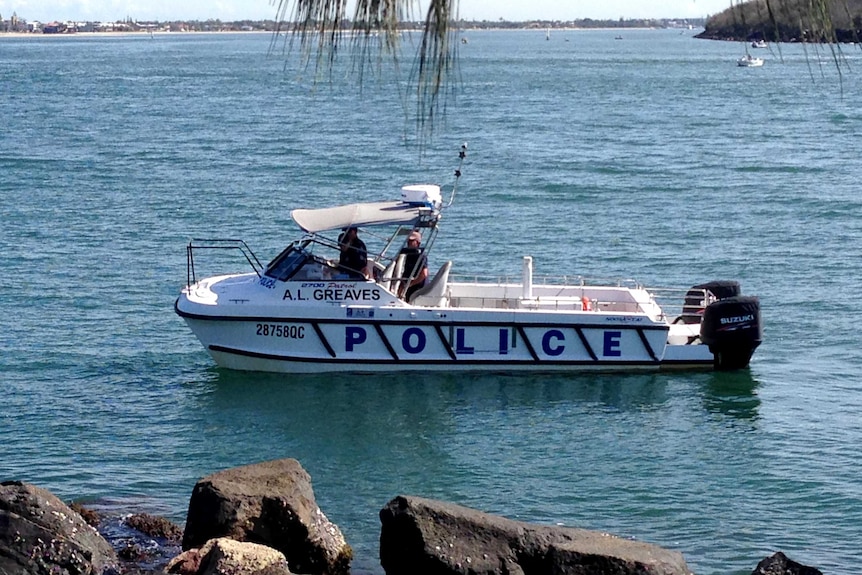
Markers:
(653, 157)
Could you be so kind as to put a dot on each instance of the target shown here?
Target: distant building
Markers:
(59, 28)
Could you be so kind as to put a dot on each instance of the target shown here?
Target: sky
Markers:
(227, 10)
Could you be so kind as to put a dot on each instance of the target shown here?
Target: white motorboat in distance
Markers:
(303, 313)
(759, 44)
(749, 61)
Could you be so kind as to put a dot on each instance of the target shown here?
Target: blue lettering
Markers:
(353, 336)
(420, 340)
(460, 346)
(504, 341)
(546, 342)
(612, 344)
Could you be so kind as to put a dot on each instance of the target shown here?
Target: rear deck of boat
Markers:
(548, 297)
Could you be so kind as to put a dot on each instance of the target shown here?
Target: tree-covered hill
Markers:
(788, 21)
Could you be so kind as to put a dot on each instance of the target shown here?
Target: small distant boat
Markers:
(749, 61)
(548, 34)
(618, 38)
(759, 44)
(463, 40)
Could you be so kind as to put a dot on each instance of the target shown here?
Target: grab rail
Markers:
(685, 305)
(548, 280)
(579, 292)
(218, 244)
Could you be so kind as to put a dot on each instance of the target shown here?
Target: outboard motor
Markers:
(731, 328)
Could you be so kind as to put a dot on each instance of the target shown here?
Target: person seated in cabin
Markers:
(354, 255)
(415, 264)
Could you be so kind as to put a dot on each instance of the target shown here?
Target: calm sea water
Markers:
(651, 157)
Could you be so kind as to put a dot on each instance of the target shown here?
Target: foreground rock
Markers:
(154, 526)
(271, 503)
(223, 555)
(779, 564)
(41, 534)
(432, 537)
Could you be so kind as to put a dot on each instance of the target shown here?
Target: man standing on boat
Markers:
(415, 264)
(354, 255)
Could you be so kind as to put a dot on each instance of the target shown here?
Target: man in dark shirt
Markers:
(415, 264)
(354, 256)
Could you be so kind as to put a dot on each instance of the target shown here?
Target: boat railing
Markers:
(549, 293)
(198, 244)
(577, 293)
(561, 281)
(678, 304)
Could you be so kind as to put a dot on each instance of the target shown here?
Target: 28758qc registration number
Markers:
(280, 330)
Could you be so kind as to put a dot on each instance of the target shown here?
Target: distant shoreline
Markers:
(125, 33)
(115, 34)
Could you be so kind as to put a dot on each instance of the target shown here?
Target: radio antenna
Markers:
(461, 155)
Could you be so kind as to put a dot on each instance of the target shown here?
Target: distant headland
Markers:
(788, 22)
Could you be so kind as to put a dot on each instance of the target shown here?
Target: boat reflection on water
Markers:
(432, 396)
(733, 394)
(587, 392)
(436, 397)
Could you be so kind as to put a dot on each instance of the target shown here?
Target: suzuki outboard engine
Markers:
(731, 328)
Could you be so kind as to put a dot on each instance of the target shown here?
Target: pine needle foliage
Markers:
(315, 30)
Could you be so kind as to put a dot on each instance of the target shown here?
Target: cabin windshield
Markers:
(316, 258)
(299, 263)
(286, 264)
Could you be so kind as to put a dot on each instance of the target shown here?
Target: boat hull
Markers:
(434, 340)
(252, 362)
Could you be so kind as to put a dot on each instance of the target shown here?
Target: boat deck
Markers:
(580, 297)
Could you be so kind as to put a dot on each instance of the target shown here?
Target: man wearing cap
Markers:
(415, 264)
(354, 255)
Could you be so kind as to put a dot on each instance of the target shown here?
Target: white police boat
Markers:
(303, 313)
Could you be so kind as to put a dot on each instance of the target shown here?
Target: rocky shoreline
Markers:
(262, 519)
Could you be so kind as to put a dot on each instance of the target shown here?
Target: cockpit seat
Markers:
(433, 294)
(390, 279)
